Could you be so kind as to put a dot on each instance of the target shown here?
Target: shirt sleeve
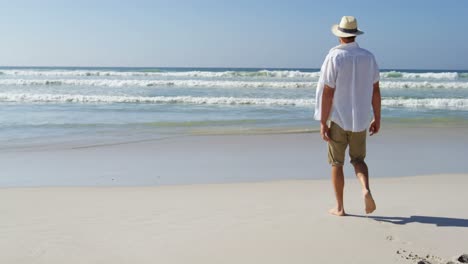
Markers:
(376, 72)
(328, 72)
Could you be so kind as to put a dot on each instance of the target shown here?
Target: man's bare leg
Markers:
(362, 173)
(338, 185)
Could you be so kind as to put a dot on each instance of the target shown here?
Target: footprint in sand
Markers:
(425, 259)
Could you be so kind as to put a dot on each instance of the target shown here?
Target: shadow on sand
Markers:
(438, 221)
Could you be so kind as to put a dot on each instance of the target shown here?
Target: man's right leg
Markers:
(336, 155)
(338, 186)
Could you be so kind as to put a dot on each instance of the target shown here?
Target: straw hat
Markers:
(346, 28)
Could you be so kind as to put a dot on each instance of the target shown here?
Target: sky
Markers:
(406, 34)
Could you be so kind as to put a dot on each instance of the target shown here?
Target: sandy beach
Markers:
(232, 199)
(190, 132)
(270, 222)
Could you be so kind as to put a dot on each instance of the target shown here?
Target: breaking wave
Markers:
(296, 74)
(189, 74)
(424, 75)
(155, 100)
(162, 83)
(423, 85)
(218, 83)
(433, 103)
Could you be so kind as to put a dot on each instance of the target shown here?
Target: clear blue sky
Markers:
(241, 33)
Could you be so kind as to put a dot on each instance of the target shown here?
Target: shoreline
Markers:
(120, 134)
(394, 152)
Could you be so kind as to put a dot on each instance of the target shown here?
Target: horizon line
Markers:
(215, 67)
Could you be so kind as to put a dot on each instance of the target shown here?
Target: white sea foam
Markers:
(218, 83)
(423, 85)
(224, 74)
(424, 75)
(434, 103)
(64, 98)
(163, 83)
(188, 74)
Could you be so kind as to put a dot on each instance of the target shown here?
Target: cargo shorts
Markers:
(339, 141)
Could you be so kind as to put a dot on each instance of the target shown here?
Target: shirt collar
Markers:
(347, 46)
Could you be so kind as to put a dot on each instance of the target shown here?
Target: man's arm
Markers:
(376, 105)
(327, 100)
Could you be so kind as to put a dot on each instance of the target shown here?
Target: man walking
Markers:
(347, 90)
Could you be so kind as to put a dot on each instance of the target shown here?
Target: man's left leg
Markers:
(362, 173)
(357, 153)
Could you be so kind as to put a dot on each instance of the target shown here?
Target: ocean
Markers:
(61, 104)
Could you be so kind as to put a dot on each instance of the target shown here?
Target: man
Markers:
(347, 90)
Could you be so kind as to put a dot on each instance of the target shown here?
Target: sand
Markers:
(268, 201)
(269, 222)
(394, 152)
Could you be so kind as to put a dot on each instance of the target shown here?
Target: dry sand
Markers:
(269, 222)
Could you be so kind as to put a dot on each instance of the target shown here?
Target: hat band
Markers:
(345, 30)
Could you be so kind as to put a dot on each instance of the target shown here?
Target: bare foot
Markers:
(335, 211)
(369, 202)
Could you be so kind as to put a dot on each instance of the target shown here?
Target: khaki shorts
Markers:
(340, 139)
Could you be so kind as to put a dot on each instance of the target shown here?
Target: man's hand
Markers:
(376, 105)
(374, 127)
(325, 132)
(327, 101)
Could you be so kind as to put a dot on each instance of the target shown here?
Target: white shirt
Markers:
(351, 71)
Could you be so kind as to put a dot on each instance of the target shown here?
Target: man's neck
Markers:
(344, 42)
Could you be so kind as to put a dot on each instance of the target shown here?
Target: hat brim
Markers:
(341, 34)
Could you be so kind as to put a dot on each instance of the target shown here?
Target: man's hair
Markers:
(349, 39)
